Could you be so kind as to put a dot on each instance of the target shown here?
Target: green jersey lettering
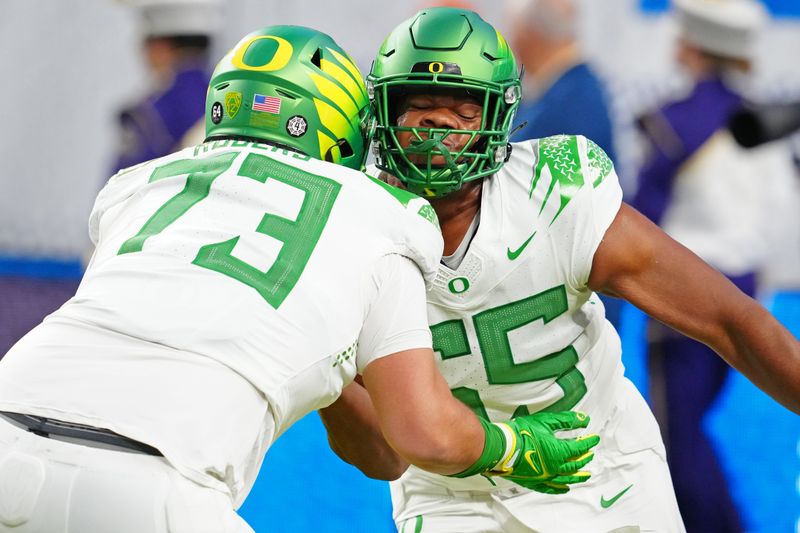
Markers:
(299, 236)
(492, 327)
(201, 174)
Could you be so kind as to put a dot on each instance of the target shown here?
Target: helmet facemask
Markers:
(474, 61)
(482, 154)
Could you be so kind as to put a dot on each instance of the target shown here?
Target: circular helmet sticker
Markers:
(297, 126)
(216, 113)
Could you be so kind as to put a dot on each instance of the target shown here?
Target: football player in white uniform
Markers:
(236, 286)
(532, 231)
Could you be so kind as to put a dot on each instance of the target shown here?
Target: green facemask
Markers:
(453, 51)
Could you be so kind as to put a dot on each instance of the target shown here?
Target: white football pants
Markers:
(52, 486)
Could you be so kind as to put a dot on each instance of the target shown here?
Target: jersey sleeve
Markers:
(423, 238)
(575, 196)
(422, 235)
(600, 204)
(397, 320)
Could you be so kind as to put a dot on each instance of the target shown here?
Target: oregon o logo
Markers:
(458, 285)
(279, 59)
(435, 67)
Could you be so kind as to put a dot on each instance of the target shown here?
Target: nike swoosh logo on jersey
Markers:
(605, 504)
(515, 253)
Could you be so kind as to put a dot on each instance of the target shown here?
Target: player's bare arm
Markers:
(642, 264)
(419, 416)
(353, 414)
(449, 436)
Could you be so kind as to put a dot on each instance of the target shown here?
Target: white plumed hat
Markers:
(168, 18)
(723, 27)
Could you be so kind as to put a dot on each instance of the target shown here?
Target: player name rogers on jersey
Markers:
(515, 327)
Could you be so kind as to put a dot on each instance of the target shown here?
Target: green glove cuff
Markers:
(494, 450)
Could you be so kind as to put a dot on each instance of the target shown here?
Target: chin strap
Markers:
(515, 130)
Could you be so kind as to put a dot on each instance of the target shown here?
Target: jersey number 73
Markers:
(299, 236)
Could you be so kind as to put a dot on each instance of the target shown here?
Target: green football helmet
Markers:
(294, 87)
(443, 49)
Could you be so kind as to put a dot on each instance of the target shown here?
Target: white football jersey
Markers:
(232, 291)
(515, 327)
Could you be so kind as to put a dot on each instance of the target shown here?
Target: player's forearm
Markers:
(743, 333)
(447, 445)
(354, 435)
(671, 284)
(432, 430)
(419, 416)
(757, 345)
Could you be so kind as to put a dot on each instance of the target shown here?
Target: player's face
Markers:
(447, 110)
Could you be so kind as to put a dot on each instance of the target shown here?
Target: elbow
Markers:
(395, 474)
(383, 463)
(385, 467)
(386, 471)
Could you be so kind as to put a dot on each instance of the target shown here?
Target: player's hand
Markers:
(540, 460)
